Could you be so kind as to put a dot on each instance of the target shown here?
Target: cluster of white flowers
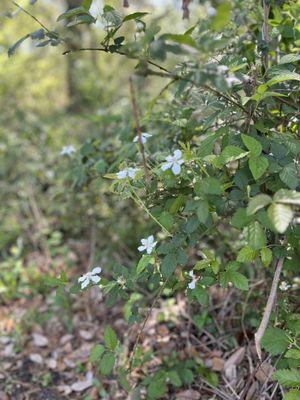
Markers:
(144, 137)
(127, 173)
(192, 284)
(148, 244)
(67, 150)
(90, 277)
(231, 80)
(284, 286)
(174, 162)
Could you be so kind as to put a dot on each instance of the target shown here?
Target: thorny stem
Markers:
(164, 74)
(131, 358)
(139, 130)
(31, 16)
(136, 198)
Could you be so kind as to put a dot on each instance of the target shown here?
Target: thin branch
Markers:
(265, 32)
(31, 16)
(139, 130)
(270, 303)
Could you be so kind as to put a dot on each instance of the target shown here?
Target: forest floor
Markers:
(44, 348)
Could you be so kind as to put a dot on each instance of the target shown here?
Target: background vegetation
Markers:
(211, 310)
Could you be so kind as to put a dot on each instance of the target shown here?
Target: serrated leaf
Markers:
(144, 261)
(289, 175)
(256, 235)
(258, 202)
(286, 196)
(237, 279)
(240, 218)
(266, 256)
(157, 389)
(283, 76)
(246, 254)
(288, 377)
(231, 153)
(166, 219)
(293, 394)
(96, 353)
(275, 341)
(281, 215)
(258, 166)
(289, 58)
(110, 338)
(107, 363)
(210, 185)
(169, 264)
(252, 145)
(293, 353)
(202, 211)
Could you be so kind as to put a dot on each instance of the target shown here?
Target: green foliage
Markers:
(230, 200)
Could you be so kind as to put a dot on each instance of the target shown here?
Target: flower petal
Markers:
(141, 248)
(166, 166)
(85, 283)
(177, 154)
(95, 278)
(192, 285)
(96, 270)
(82, 278)
(150, 239)
(122, 174)
(176, 169)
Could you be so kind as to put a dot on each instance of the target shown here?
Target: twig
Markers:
(31, 16)
(131, 358)
(265, 32)
(139, 130)
(266, 316)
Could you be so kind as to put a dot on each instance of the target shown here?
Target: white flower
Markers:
(211, 11)
(67, 150)
(90, 277)
(284, 286)
(127, 172)
(147, 244)
(144, 136)
(174, 162)
(232, 80)
(192, 284)
(222, 68)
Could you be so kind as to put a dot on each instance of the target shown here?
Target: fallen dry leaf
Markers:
(40, 340)
(230, 365)
(217, 364)
(86, 335)
(80, 386)
(36, 358)
(265, 373)
(188, 395)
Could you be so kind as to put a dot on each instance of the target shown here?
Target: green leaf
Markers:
(174, 378)
(157, 389)
(293, 353)
(286, 196)
(289, 175)
(293, 394)
(86, 4)
(71, 13)
(246, 254)
(144, 261)
(289, 58)
(253, 145)
(166, 219)
(266, 256)
(275, 341)
(281, 215)
(236, 278)
(258, 202)
(107, 363)
(169, 264)
(13, 49)
(110, 337)
(136, 15)
(288, 377)
(96, 353)
(283, 76)
(222, 18)
(256, 236)
(202, 211)
(181, 39)
(210, 185)
(258, 166)
(240, 218)
(231, 153)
